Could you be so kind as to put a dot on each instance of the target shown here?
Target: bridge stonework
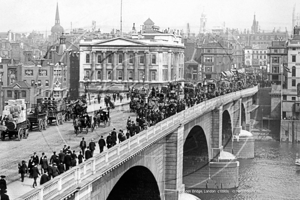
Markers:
(159, 149)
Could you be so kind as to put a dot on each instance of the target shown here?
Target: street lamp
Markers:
(86, 83)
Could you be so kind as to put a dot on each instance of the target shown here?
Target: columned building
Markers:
(150, 60)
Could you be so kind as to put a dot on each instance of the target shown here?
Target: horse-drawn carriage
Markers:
(56, 111)
(37, 117)
(13, 121)
(81, 119)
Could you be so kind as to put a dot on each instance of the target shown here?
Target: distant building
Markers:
(290, 116)
(150, 58)
(277, 56)
(57, 30)
(215, 57)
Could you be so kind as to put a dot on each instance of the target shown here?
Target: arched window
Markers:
(293, 71)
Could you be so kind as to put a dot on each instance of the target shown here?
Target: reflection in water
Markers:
(272, 174)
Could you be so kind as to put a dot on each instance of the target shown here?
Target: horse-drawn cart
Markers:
(37, 118)
(56, 111)
(13, 121)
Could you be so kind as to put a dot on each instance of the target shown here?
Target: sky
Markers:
(39, 15)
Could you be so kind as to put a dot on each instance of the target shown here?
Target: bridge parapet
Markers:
(74, 180)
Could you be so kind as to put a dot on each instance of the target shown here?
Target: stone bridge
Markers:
(196, 148)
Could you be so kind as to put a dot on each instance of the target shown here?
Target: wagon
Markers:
(37, 120)
(11, 128)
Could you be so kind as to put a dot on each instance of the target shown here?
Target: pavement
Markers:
(17, 188)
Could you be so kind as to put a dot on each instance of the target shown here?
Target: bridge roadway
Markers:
(77, 180)
(49, 140)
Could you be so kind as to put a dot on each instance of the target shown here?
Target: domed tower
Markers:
(57, 29)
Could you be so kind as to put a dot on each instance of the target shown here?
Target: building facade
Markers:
(215, 58)
(277, 59)
(152, 59)
(290, 124)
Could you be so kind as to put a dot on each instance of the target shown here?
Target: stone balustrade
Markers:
(75, 179)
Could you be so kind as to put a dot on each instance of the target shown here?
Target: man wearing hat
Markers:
(35, 174)
(3, 185)
(3, 195)
(44, 178)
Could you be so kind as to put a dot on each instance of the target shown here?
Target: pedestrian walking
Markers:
(55, 170)
(44, 178)
(3, 195)
(68, 161)
(35, 174)
(92, 147)
(80, 157)
(22, 169)
(88, 154)
(3, 185)
(30, 165)
(35, 158)
(73, 159)
(82, 145)
(101, 143)
(61, 167)
(50, 171)
(44, 164)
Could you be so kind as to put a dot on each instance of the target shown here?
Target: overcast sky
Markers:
(39, 15)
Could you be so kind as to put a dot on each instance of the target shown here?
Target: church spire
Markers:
(57, 15)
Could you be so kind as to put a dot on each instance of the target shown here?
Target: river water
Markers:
(272, 174)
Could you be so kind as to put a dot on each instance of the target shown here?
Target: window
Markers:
(293, 58)
(165, 74)
(293, 49)
(87, 73)
(208, 59)
(120, 58)
(283, 115)
(284, 97)
(275, 59)
(39, 83)
(208, 76)
(1, 66)
(275, 51)
(141, 75)
(46, 83)
(109, 60)
(99, 58)
(293, 98)
(141, 59)
(153, 75)
(120, 75)
(293, 82)
(208, 69)
(32, 82)
(130, 75)
(275, 69)
(87, 58)
(153, 59)
(131, 58)
(23, 93)
(46, 94)
(109, 75)
(9, 93)
(25, 81)
(99, 74)
(43, 72)
(294, 71)
(29, 72)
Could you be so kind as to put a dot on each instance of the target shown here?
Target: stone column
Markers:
(174, 164)
(125, 66)
(147, 62)
(169, 65)
(237, 125)
(93, 77)
(104, 75)
(114, 66)
(136, 66)
(176, 69)
(216, 137)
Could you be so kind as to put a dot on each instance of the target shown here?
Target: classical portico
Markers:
(130, 62)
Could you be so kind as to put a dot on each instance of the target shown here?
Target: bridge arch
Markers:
(195, 159)
(227, 131)
(136, 183)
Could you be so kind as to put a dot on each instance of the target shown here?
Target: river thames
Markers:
(272, 174)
